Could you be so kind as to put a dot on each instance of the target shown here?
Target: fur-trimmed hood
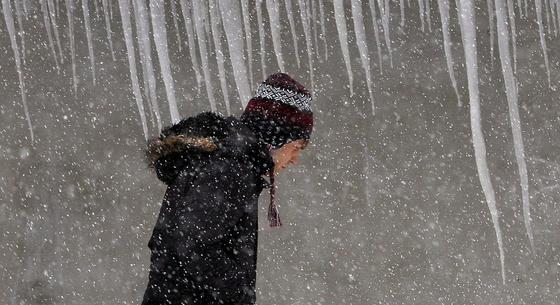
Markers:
(183, 146)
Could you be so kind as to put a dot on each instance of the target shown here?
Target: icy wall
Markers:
(447, 195)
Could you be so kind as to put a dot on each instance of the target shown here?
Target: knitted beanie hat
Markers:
(279, 113)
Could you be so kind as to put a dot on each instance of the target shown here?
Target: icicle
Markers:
(289, 12)
(538, 8)
(85, 11)
(105, 5)
(513, 33)
(127, 30)
(144, 44)
(52, 13)
(361, 41)
(306, 22)
(343, 38)
(429, 15)
(206, 19)
(176, 25)
(96, 8)
(217, 36)
(275, 29)
(47, 23)
(313, 14)
(26, 5)
(384, 13)
(421, 13)
(231, 18)
(444, 13)
(258, 5)
(401, 4)
(160, 39)
(198, 15)
(70, 15)
(458, 7)
(554, 17)
(110, 2)
(57, 6)
(185, 9)
(468, 34)
(21, 33)
(490, 8)
(8, 18)
(511, 94)
(519, 8)
(248, 38)
(558, 13)
(547, 9)
(376, 34)
(323, 31)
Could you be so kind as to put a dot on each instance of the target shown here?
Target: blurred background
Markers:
(382, 209)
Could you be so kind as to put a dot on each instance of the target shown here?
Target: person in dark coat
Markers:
(204, 243)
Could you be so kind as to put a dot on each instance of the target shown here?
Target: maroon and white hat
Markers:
(285, 102)
(280, 112)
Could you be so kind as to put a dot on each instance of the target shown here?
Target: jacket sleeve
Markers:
(208, 213)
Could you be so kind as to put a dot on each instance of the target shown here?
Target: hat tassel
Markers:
(273, 215)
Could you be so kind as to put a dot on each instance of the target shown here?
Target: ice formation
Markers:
(273, 8)
(361, 41)
(258, 6)
(70, 15)
(248, 38)
(511, 94)
(105, 4)
(47, 22)
(127, 29)
(186, 11)
(444, 13)
(289, 10)
(305, 20)
(373, 11)
(143, 33)
(343, 38)
(8, 18)
(85, 11)
(468, 35)
(231, 18)
(160, 39)
(215, 22)
(198, 16)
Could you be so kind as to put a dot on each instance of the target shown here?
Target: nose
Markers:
(294, 160)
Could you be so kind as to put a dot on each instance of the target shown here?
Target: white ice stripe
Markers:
(298, 100)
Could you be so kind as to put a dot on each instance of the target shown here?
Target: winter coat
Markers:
(204, 243)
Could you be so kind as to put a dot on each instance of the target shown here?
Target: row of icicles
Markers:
(205, 20)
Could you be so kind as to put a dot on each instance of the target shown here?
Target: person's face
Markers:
(287, 154)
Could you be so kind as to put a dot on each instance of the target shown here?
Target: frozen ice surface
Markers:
(361, 41)
(124, 6)
(85, 11)
(231, 19)
(513, 106)
(142, 21)
(199, 12)
(468, 33)
(343, 39)
(444, 15)
(273, 8)
(160, 40)
(8, 18)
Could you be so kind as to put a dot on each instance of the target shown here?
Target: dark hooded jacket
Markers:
(204, 243)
